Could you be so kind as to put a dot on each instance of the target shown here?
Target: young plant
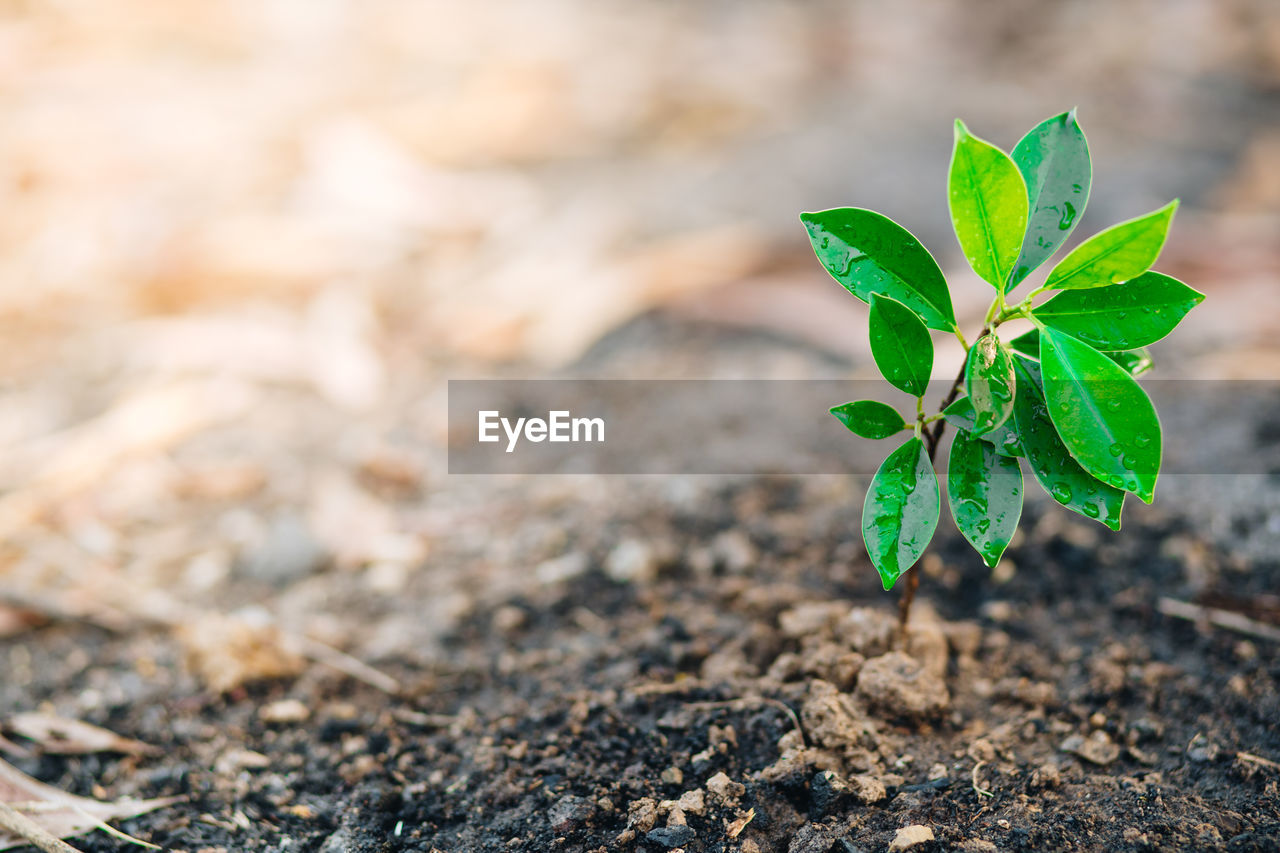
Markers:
(1062, 396)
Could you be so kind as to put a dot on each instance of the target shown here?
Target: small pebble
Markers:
(1096, 749)
(910, 836)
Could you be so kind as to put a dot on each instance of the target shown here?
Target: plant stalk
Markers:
(932, 437)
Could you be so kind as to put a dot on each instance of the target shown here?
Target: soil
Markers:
(714, 677)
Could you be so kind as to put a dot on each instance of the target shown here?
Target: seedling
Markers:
(1062, 396)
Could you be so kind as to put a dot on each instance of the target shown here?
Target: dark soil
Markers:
(572, 719)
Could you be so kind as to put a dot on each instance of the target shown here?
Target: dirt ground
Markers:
(714, 677)
(702, 665)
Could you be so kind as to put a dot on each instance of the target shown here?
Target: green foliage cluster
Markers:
(1062, 396)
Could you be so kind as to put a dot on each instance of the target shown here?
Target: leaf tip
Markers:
(961, 130)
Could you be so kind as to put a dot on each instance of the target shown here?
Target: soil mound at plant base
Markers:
(900, 686)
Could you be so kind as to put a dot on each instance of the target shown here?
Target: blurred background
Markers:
(243, 245)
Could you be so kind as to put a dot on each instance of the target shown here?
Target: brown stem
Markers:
(932, 437)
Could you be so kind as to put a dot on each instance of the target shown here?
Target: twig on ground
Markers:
(977, 786)
(18, 824)
(1250, 758)
(346, 664)
(1224, 619)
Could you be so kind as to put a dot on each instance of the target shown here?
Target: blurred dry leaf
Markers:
(15, 620)
(62, 736)
(356, 527)
(12, 748)
(550, 297)
(228, 480)
(58, 813)
(147, 421)
(226, 652)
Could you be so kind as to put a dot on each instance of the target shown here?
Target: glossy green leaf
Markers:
(1104, 417)
(1124, 316)
(1028, 344)
(985, 493)
(988, 202)
(901, 511)
(869, 418)
(901, 345)
(1003, 438)
(988, 381)
(1122, 252)
(1051, 463)
(1135, 362)
(1053, 159)
(868, 253)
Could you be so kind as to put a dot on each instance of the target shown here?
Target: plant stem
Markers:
(932, 437)
(904, 606)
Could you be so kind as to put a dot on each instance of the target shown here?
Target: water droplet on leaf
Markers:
(1068, 216)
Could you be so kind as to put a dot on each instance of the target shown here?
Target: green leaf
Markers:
(1003, 438)
(1122, 252)
(868, 253)
(988, 202)
(985, 493)
(1051, 463)
(901, 511)
(1124, 316)
(1135, 362)
(869, 418)
(1028, 344)
(901, 345)
(1104, 417)
(988, 381)
(1053, 159)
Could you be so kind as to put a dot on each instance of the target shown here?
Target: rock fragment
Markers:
(670, 837)
(900, 686)
(632, 561)
(570, 812)
(724, 790)
(835, 722)
(1047, 775)
(1097, 748)
(910, 836)
(810, 618)
(866, 630)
